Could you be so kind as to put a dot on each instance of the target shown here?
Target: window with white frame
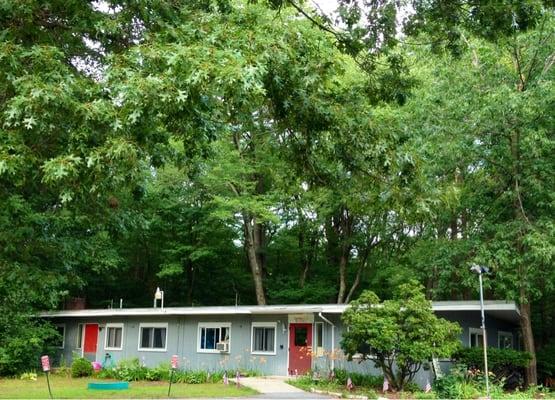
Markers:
(153, 336)
(319, 338)
(263, 338)
(505, 340)
(476, 337)
(213, 337)
(79, 338)
(114, 337)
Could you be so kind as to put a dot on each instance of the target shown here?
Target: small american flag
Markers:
(350, 385)
(385, 387)
(428, 387)
(226, 381)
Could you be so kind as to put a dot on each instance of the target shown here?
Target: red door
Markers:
(300, 348)
(90, 342)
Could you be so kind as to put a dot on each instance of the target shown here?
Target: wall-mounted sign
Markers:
(301, 318)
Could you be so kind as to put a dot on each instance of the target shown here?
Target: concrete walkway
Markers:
(275, 387)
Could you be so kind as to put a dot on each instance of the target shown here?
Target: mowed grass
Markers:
(69, 388)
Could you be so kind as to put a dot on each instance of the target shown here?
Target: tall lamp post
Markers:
(480, 270)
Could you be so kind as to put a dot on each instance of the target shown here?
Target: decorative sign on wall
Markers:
(301, 318)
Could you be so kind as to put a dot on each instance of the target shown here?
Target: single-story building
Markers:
(274, 340)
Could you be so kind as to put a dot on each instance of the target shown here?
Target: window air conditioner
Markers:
(223, 347)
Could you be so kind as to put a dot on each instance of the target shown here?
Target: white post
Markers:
(484, 337)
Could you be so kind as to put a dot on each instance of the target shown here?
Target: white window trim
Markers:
(316, 332)
(475, 331)
(153, 325)
(80, 339)
(212, 325)
(115, 325)
(264, 325)
(63, 336)
(501, 334)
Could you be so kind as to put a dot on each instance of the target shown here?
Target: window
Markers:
(319, 338)
(476, 338)
(263, 338)
(505, 340)
(301, 334)
(152, 337)
(114, 337)
(79, 338)
(210, 334)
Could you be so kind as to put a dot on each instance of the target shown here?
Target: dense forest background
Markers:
(262, 152)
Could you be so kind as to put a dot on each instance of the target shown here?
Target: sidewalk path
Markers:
(274, 387)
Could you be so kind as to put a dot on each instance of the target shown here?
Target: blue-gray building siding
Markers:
(471, 321)
(182, 337)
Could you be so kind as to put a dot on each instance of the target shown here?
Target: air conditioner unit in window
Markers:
(223, 347)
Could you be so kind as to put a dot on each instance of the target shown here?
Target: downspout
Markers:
(332, 340)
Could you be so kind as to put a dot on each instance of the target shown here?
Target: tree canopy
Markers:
(262, 152)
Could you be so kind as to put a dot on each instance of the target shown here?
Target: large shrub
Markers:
(22, 341)
(400, 333)
(507, 365)
(81, 367)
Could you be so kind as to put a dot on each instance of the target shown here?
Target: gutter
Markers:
(332, 340)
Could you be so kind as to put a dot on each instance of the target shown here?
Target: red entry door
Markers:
(90, 342)
(300, 348)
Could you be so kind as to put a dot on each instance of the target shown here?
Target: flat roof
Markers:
(502, 309)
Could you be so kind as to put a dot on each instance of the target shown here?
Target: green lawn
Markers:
(64, 388)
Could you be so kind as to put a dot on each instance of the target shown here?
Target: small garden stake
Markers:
(174, 367)
(44, 360)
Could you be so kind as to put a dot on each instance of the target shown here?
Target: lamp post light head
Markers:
(158, 295)
(478, 269)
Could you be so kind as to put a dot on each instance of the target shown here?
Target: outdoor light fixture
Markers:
(159, 295)
(480, 270)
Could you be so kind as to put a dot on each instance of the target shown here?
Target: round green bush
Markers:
(81, 367)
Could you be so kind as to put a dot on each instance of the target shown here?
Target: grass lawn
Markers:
(64, 388)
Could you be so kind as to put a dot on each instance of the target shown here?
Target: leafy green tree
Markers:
(400, 334)
(490, 140)
(60, 157)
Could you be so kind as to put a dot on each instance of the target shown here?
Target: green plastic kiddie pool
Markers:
(108, 385)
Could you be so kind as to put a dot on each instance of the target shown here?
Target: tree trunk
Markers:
(254, 232)
(525, 306)
(528, 339)
(249, 225)
(343, 261)
(307, 241)
(360, 270)
(343, 228)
